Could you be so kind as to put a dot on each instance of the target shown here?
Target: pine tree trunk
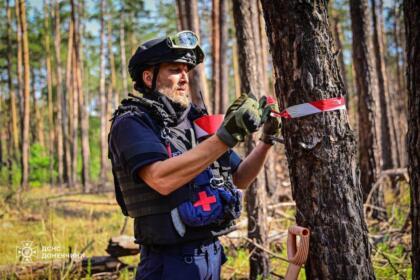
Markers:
(368, 105)
(102, 94)
(401, 96)
(215, 46)
(321, 148)
(223, 72)
(60, 97)
(83, 114)
(19, 62)
(263, 50)
(50, 94)
(26, 97)
(388, 145)
(13, 110)
(123, 56)
(77, 88)
(113, 102)
(68, 110)
(245, 13)
(236, 77)
(37, 127)
(412, 32)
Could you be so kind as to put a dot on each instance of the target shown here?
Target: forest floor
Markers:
(62, 224)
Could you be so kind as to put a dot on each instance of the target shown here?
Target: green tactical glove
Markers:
(271, 127)
(242, 118)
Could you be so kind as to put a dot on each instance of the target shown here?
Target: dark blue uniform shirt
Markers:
(132, 136)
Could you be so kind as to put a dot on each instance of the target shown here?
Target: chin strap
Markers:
(155, 75)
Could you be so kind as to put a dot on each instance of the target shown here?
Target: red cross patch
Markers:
(205, 201)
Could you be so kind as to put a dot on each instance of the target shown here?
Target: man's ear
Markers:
(147, 78)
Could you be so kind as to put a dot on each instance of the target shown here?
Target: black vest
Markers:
(151, 210)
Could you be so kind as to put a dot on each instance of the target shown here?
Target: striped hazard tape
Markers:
(310, 108)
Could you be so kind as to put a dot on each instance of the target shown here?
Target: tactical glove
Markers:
(242, 118)
(271, 127)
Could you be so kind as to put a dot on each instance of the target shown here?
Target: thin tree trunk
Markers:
(26, 97)
(401, 98)
(263, 50)
(13, 111)
(102, 93)
(215, 38)
(388, 146)
(84, 116)
(123, 56)
(68, 110)
(50, 94)
(113, 102)
(321, 148)
(236, 77)
(245, 15)
(368, 105)
(19, 61)
(223, 72)
(412, 23)
(59, 124)
(37, 128)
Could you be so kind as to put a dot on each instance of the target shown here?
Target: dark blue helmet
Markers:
(183, 48)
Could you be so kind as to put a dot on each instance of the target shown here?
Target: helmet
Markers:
(182, 47)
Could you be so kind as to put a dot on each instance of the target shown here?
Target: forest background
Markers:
(63, 71)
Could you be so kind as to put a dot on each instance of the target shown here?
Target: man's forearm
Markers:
(168, 175)
(251, 166)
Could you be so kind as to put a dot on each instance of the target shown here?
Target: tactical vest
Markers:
(141, 202)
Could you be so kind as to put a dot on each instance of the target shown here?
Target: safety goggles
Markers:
(183, 40)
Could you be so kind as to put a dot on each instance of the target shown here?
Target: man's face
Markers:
(172, 81)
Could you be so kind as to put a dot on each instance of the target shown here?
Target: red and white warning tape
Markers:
(310, 108)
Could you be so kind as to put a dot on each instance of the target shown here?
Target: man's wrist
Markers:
(267, 139)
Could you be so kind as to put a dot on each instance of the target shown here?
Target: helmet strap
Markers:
(155, 74)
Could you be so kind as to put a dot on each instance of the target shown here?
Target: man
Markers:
(180, 190)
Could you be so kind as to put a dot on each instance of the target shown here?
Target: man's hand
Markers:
(242, 118)
(271, 126)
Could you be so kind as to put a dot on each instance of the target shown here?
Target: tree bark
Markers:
(49, 89)
(26, 96)
(19, 61)
(113, 103)
(368, 105)
(123, 56)
(236, 77)
(412, 23)
(388, 145)
(320, 149)
(83, 112)
(60, 98)
(102, 94)
(223, 72)
(68, 110)
(215, 46)
(13, 110)
(245, 14)
(401, 96)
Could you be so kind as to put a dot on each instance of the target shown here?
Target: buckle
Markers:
(217, 182)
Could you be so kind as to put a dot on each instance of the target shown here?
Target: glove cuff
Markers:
(226, 137)
(267, 139)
